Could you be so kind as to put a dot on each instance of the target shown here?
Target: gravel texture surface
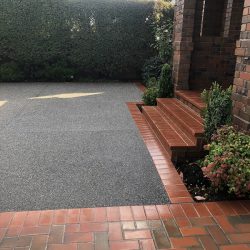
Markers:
(68, 145)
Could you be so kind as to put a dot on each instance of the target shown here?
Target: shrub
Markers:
(166, 87)
(218, 111)
(162, 25)
(228, 161)
(59, 72)
(10, 72)
(150, 95)
(97, 38)
(152, 68)
(152, 82)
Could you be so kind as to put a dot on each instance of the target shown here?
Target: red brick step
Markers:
(192, 99)
(175, 142)
(179, 129)
(187, 119)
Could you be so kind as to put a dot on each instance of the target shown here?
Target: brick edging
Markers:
(171, 180)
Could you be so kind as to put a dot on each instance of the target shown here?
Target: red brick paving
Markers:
(182, 224)
(146, 227)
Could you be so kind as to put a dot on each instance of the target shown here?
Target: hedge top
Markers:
(63, 39)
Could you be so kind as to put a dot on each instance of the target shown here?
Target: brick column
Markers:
(241, 88)
(183, 42)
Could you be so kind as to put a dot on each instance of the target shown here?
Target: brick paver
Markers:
(153, 229)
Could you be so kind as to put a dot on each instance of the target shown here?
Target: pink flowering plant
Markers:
(227, 164)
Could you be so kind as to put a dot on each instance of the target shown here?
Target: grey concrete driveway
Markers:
(68, 145)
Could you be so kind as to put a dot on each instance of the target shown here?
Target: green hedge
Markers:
(61, 39)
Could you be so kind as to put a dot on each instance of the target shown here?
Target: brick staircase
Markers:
(178, 125)
(192, 99)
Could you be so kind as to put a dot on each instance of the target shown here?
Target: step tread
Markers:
(186, 136)
(183, 114)
(167, 130)
(193, 97)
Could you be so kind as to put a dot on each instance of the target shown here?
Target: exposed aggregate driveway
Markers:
(69, 145)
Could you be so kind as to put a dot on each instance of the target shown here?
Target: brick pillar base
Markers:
(241, 88)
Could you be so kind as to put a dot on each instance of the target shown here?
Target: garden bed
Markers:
(198, 186)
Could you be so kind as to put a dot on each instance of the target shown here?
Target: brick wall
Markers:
(183, 42)
(202, 54)
(214, 41)
(204, 42)
(213, 60)
(241, 88)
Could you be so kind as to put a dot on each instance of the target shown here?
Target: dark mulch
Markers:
(198, 185)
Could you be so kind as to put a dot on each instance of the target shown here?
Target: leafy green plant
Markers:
(227, 163)
(102, 39)
(59, 72)
(150, 95)
(166, 87)
(10, 72)
(218, 111)
(152, 68)
(152, 82)
(162, 24)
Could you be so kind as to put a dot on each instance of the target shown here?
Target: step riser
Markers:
(177, 127)
(184, 107)
(190, 105)
(179, 122)
(198, 140)
(157, 132)
(191, 99)
(180, 130)
(176, 155)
